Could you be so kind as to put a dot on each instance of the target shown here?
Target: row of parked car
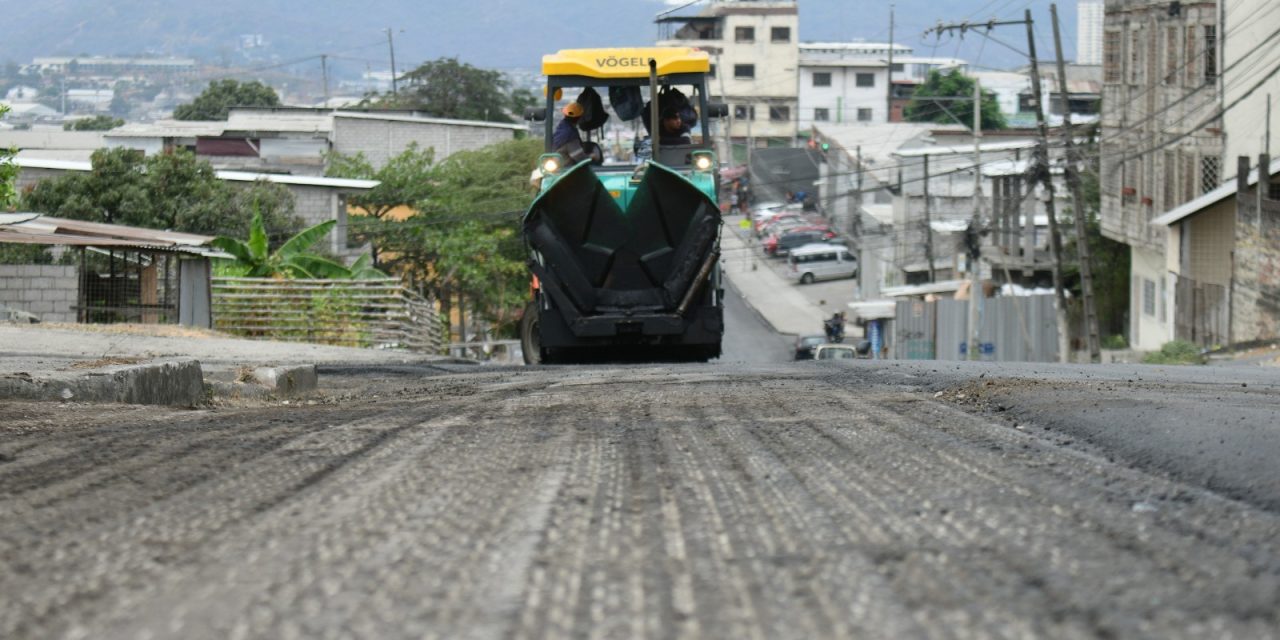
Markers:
(806, 240)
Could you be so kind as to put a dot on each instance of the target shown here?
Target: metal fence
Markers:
(356, 313)
(1011, 329)
(128, 286)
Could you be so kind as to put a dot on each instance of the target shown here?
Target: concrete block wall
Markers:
(381, 140)
(1255, 309)
(46, 291)
(29, 177)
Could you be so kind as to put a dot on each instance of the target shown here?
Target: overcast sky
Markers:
(490, 33)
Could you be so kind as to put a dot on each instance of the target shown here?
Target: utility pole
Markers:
(1077, 197)
(973, 237)
(1046, 178)
(324, 72)
(728, 129)
(1041, 169)
(857, 221)
(928, 224)
(392, 48)
(888, 98)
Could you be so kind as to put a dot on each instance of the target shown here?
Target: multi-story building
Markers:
(1089, 20)
(1160, 147)
(754, 55)
(1250, 54)
(845, 81)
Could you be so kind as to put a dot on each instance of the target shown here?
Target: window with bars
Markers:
(1170, 180)
(744, 112)
(821, 115)
(1148, 297)
(1192, 55)
(866, 79)
(1111, 57)
(744, 34)
(1188, 177)
(1210, 173)
(822, 78)
(1135, 57)
(744, 71)
(1171, 55)
(864, 114)
(780, 114)
(1210, 53)
(780, 34)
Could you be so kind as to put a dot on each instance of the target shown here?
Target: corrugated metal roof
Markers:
(234, 176)
(168, 129)
(51, 139)
(399, 118)
(34, 228)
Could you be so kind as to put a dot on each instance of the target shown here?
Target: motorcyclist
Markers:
(834, 327)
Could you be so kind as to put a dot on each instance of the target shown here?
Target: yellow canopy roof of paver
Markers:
(625, 62)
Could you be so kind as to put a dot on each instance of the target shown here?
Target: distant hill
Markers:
(491, 33)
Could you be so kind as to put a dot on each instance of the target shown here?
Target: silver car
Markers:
(814, 262)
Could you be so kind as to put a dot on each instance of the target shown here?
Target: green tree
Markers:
(1109, 259)
(216, 101)
(96, 123)
(405, 180)
(521, 99)
(167, 191)
(8, 171)
(447, 88)
(292, 259)
(948, 99)
(464, 242)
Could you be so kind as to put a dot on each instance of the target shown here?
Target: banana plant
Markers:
(254, 259)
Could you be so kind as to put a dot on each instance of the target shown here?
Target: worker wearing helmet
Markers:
(567, 131)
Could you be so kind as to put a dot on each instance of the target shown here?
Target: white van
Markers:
(821, 262)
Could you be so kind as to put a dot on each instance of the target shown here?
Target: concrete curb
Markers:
(168, 382)
(287, 380)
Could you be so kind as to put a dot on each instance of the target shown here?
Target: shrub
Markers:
(1115, 342)
(1175, 352)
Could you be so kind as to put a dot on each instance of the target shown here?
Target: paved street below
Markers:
(724, 500)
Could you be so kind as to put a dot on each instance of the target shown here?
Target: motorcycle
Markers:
(834, 328)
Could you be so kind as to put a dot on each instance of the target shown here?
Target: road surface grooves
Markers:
(608, 502)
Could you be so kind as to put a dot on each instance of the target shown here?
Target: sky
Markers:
(489, 33)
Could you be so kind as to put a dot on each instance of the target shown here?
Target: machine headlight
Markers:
(704, 161)
(549, 163)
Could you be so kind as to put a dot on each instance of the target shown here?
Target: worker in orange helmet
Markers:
(567, 131)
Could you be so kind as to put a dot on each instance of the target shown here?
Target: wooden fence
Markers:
(1201, 312)
(355, 313)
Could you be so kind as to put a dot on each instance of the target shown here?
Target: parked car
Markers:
(813, 262)
(792, 240)
(823, 233)
(763, 226)
(835, 352)
(766, 210)
(806, 344)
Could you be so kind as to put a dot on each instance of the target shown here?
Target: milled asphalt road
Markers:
(737, 499)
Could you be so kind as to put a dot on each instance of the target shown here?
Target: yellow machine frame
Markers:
(625, 62)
